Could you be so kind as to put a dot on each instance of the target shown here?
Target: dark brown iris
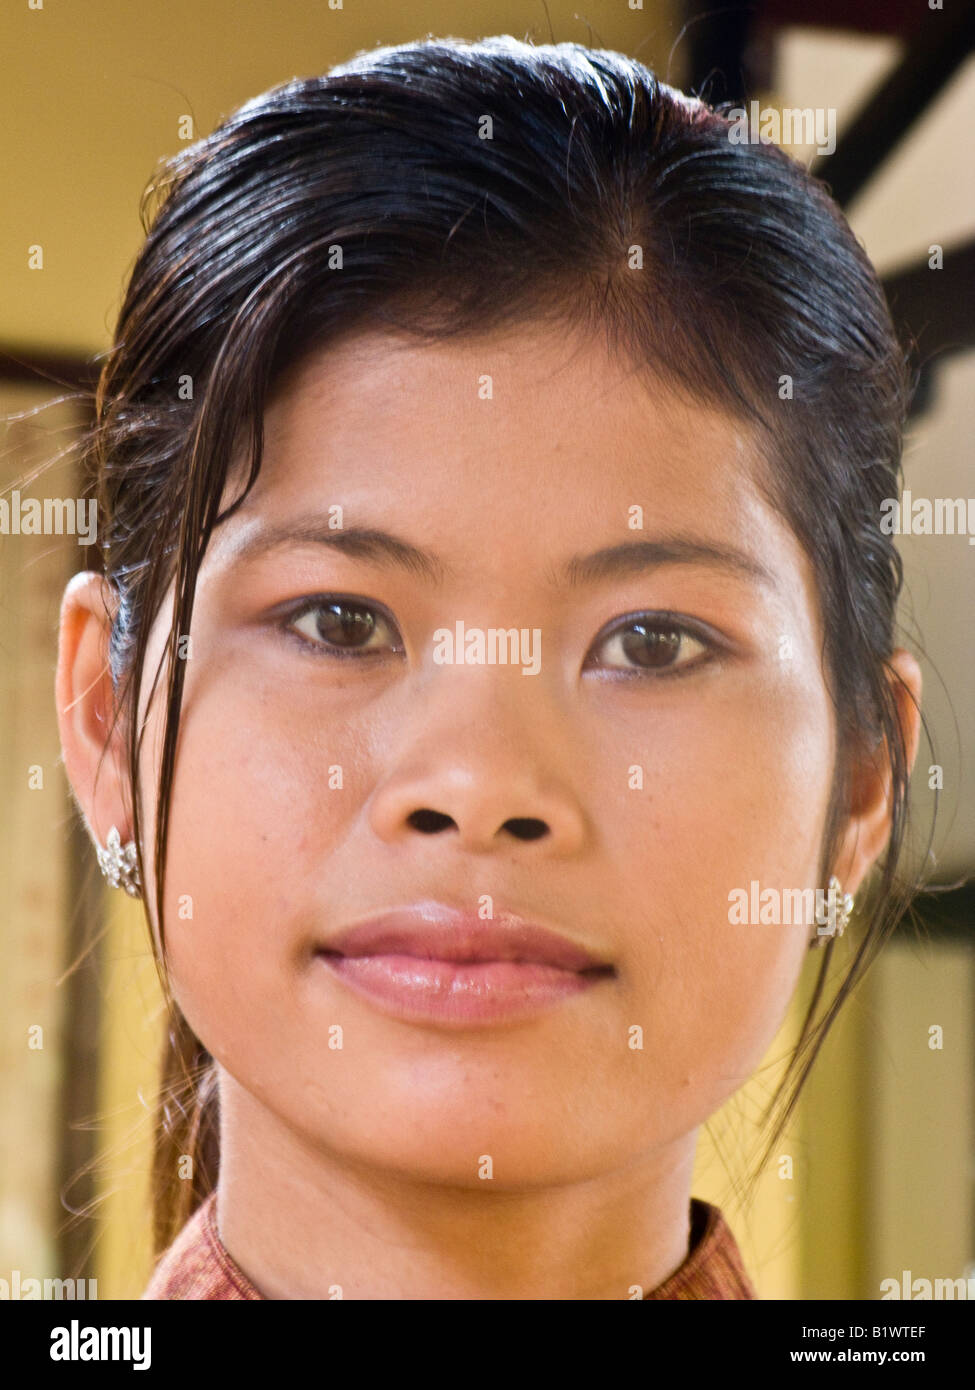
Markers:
(652, 647)
(345, 624)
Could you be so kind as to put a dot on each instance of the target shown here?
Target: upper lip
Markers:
(436, 932)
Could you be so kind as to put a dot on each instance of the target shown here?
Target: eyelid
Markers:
(288, 614)
(666, 617)
(714, 643)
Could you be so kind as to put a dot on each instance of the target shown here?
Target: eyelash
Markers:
(661, 621)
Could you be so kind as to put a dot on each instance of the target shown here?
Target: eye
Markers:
(653, 644)
(343, 628)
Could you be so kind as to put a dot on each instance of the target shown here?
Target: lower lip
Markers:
(459, 992)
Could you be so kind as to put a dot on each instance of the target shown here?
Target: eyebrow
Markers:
(633, 557)
(361, 542)
(611, 562)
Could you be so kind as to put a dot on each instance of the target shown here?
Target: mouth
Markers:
(430, 963)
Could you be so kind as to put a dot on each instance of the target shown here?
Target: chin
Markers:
(475, 1150)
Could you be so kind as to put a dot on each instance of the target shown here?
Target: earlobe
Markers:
(95, 756)
(868, 825)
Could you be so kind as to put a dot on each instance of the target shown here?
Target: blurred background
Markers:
(877, 1174)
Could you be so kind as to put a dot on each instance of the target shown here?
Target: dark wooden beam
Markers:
(932, 59)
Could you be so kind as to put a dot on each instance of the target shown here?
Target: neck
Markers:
(306, 1222)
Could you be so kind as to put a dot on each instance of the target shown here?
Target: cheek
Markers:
(733, 791)
(261, 801)
(704, 780)
(265, 784)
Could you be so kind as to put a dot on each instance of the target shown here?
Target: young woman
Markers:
(495, 608)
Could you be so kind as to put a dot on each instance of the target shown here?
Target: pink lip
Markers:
(430, 963)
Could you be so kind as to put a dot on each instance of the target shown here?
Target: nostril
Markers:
(429, 821)
(527, 828)
(432, 822)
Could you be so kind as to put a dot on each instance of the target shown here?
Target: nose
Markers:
(488, 766)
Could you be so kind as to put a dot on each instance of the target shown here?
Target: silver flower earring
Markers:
(119, 864)
(839, 908)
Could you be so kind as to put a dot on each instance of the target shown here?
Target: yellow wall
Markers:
(132, 1037)
(33, 871)
(94, 94)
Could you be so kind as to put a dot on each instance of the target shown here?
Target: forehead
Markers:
(532, 418)
(509, 463)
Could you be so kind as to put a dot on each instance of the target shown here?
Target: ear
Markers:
(96, 760)
(868, 826)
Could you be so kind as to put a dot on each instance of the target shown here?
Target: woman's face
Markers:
(614, 784)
